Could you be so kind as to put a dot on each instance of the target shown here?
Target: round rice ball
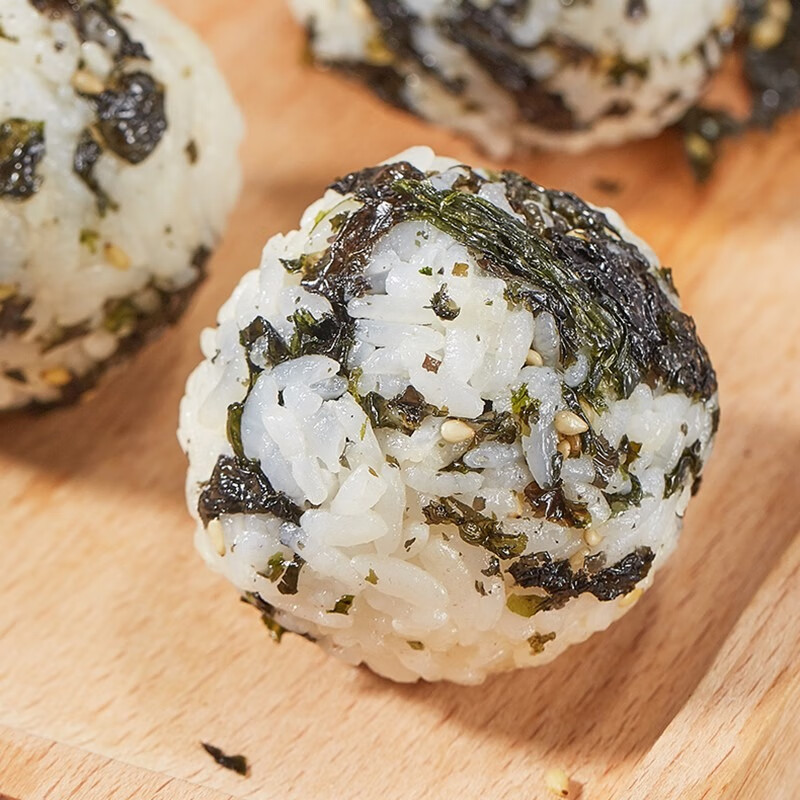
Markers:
(546, 74)
(118, 167)
(450, 426)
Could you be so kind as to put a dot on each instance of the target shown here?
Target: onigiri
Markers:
(511, 73)
(118, 167)
(450, 426)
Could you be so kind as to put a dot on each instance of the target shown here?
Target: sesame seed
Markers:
(456, 431)
(87, 82)
(631, 598)
(217, 536)
(767, 33)
(557, 782)
(698, 147)
(564, 448)
(116, 256)
(534, 359)
(574, 444)
(592, 537)
(569, 424)
(56, 376)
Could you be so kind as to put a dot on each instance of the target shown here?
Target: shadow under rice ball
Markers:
(450, 426)
(118, 167)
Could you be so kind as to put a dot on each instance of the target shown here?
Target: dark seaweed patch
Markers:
(343, 604)
(773, 72)
(87, 154)
(689, 466)
(561, 583)
(22, 147)
(234, 763)
(131, 118)
(620, 502)
(405, 412)
(12, 315)
(238, 486)
(267, 610)
(704, 130)
(443, 305)
(553, 505)
(475, 528)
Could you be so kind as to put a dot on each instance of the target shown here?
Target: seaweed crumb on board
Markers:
(236, 763)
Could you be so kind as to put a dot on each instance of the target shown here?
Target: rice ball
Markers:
(118, 167)
(550, 73)
(450, 426)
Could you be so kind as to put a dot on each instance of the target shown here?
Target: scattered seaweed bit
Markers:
(704, 130)
(475, 528)
(236, 764)
(22, 147)
(770, 31)
(238, 486)
(561, 583)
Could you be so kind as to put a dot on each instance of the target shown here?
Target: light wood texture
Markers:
(119, 652)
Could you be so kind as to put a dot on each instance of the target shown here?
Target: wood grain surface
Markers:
(120, 652)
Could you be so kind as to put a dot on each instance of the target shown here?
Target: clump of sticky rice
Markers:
(547, 73)
(118, 167)
(450, 426)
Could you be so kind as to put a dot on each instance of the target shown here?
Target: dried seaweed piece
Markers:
(22, 147)
(551, 504)
(131, 116)
(690, 465)
(443, 305)
(237, 486)
(475, 528)
(275, 629)
(12, 314)
(87, 154)
(236, 764)
(704, 130)
(562, 584)
(405, 412)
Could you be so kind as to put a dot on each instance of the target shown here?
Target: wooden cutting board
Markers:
(120, 652)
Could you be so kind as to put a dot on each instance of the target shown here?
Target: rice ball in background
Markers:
(546, 73)
(118, 167)
(450, 426)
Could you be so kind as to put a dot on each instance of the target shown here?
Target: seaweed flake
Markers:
(553, 505)
(443, 305)
(22, 147)
(405, 412)
(237, 486)
(475, 528)
(690, 465)
(236, 764)
(562, 584)
(84, 160)
(342, 605)
(275, 629)
(131, 116)
(620, 502)
(12, 314)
